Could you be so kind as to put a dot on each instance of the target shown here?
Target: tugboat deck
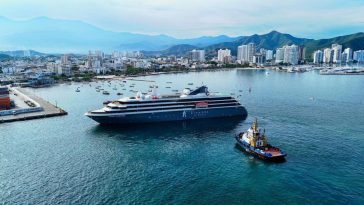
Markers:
(273, 152)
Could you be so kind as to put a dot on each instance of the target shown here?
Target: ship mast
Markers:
(255, 125)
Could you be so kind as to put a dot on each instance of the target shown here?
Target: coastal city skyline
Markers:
(181, 20)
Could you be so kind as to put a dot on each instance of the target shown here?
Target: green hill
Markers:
(4, 57)
(178, 50)
(354, 41)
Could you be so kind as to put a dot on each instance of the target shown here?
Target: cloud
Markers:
(190, 18)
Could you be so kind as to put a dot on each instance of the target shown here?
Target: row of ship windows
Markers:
(174, 104)
(175, 100)
(183, 115)
(172, 108)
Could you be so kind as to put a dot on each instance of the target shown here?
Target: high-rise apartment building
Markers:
(337, 49)
(291, 54)
(242, 56)
(223, 55)
(318, 57)
(251, 51)
(347, 55)
(197, 55)
(279, 55)
(327, 56)
(269, 55)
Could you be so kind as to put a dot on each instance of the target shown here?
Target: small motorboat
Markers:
(119, 94)
(256, 143)
(105, 93)
(78, 89)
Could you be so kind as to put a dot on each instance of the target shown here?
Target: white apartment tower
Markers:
(337, 49)
(279, 55)
(291, 54)
(222, 55)
(359, 56)
(327, 56)
(197, 55)
(269, 55)
(243, 54)
(318, 57)
(251, 51)
(347, 55)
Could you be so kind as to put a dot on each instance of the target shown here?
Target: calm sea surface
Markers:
(317, 120)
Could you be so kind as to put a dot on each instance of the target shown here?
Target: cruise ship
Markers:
(191, 104)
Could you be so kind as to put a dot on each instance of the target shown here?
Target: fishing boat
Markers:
(256, 143)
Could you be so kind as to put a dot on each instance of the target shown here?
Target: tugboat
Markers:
(253, 142)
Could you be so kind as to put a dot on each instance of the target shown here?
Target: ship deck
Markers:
(274, 152)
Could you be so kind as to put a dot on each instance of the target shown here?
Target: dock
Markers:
(46, 109)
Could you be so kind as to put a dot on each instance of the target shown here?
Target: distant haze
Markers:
(194, 18)
(53, 35)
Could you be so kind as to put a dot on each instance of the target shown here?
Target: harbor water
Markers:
(317, 120)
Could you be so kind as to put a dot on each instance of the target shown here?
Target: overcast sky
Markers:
(192, 18)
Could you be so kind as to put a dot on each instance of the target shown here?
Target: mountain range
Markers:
(48, 35)
(271, 40)
(53, 35)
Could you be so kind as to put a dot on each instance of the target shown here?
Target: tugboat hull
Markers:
(272, 154)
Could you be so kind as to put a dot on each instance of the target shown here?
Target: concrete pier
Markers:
(45, 108)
